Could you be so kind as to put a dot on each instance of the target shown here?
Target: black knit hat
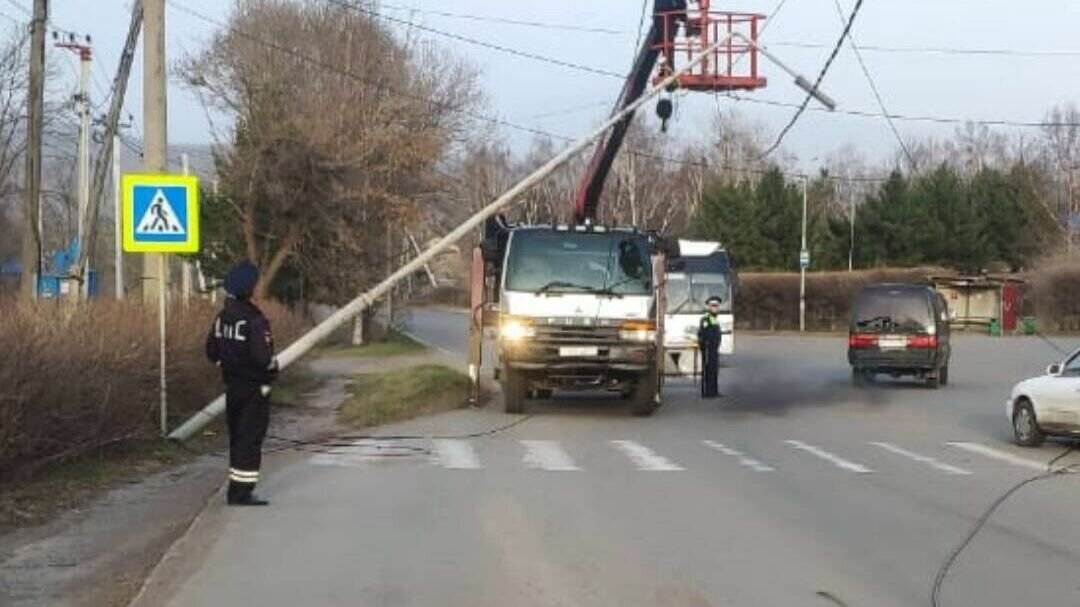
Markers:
(241, 280)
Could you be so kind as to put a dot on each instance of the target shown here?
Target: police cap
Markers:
(241, 280)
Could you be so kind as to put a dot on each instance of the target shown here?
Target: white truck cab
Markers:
(579, 308)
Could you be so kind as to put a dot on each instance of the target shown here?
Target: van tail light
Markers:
(922, 342)
(860, 341)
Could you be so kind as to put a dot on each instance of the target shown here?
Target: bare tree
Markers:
(13, 83)
(1062, 135)
(338, 129)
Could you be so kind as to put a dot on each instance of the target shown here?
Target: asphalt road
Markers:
(794, 490)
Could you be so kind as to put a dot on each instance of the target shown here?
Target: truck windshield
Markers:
(687, 293)
(574, 262)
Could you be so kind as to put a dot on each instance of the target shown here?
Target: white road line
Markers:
(749, 462)
(456, 455)
(547, 455)
(835, 460)
(645, 458)
(999, 455)
(922, 459)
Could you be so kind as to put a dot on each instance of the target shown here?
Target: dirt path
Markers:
(99, 555)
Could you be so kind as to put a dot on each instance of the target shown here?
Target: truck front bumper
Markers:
(559, 362)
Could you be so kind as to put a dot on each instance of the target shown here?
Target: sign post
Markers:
(161, 215)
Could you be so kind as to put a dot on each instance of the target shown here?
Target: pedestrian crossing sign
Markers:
(161, 214)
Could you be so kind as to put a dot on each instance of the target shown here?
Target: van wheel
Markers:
(943, 375)
(1025, 426)
(543, 393)
(646, 396)
(860, 377)
(515, 389)
(933, 380)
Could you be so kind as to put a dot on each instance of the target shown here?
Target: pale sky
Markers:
(1012, 87)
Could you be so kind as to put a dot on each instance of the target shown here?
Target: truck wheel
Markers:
(646, 396)
(515, 387)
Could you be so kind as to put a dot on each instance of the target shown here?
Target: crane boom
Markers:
(676, 32)
(587, 198)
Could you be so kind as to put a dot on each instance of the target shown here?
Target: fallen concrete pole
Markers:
(324, 329)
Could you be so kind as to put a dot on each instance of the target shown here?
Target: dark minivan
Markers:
(899, 329)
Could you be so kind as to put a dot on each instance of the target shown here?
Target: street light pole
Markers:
(851, 246)
(804, 262)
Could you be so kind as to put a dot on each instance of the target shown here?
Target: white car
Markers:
(1047, 405)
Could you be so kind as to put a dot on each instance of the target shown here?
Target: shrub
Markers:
(73, 379)
(770, 302)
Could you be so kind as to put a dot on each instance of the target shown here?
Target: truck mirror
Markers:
(496, 230)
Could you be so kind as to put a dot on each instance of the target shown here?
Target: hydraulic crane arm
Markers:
(587, 198)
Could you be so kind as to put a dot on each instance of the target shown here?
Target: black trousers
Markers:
(710, 370)
(248, 415)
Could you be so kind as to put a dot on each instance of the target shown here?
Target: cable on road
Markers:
(935, 592)
(353, 441)
(1051, 343)
(820, 78)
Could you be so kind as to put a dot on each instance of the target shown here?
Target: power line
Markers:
(820, 78)
(505, 21)
(938, 50)
(568, 110)
(336, 69)
(782, 43)
(475, 42)
(908, 117)
(877, 93)
(641, 24)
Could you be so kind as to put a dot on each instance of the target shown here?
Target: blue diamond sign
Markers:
(161, 214)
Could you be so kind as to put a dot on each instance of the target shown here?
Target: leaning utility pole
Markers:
(35, 102)
(109, 143)
(155, 127)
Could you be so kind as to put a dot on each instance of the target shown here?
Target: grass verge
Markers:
(397, 344)
(379, 398)
(294, 384)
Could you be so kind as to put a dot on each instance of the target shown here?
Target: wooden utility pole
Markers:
(112, 126)
(35, 109)
(155, 127)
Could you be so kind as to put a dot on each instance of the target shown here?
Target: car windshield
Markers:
(887, 310)
(568, 262)
(687, 293)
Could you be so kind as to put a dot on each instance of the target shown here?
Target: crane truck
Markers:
(582, 306)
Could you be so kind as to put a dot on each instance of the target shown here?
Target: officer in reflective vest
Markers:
(709, 337)
(241, 344)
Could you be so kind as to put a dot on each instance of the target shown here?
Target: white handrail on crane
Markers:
(324, 329)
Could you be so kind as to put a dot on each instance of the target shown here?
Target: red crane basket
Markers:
(688, 33)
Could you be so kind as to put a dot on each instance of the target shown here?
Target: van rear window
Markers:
(884, 310)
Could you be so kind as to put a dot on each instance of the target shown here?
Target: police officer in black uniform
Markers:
(709, 337)
(240, 342)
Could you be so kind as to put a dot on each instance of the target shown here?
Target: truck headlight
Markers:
(641, 332)
(513, 329)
